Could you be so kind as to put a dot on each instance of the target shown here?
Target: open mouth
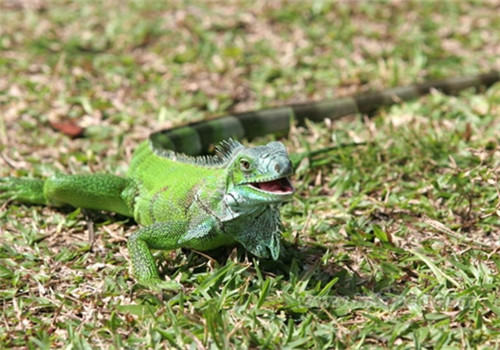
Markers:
(279, 186)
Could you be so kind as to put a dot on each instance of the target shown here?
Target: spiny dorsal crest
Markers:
(226, 149)
(224, 153)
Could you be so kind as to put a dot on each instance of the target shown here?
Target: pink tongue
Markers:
(271, 186)
(281, 185)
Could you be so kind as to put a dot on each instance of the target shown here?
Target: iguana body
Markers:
(181, 201)
(211, 201)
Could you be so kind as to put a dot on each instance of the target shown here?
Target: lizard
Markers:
(199, 202)
(182, 199)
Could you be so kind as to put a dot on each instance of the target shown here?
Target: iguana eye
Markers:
(244, 164)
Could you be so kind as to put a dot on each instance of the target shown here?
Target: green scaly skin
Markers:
(192, 202)
(207, 202)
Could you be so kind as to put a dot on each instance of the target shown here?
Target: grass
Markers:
(391, 244)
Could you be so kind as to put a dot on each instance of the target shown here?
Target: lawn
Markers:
(390, 243)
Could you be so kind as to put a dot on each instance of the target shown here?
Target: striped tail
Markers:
(197, 138)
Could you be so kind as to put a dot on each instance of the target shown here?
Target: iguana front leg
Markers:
(165, 236)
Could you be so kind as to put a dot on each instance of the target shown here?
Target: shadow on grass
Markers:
(304, 262)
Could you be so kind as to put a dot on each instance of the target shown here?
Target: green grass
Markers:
(391, 244)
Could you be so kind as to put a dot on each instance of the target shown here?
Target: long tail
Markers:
(196, 138)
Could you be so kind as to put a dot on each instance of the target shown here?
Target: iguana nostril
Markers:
(277, 168)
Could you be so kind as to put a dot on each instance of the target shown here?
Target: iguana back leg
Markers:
(22, 190)
(93, 191)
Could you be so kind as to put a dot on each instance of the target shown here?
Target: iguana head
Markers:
(259, 175)
(257, 182)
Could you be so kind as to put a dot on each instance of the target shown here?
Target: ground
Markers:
(393, 243)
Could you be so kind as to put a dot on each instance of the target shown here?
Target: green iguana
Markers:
(207, 201)
(181, 201)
